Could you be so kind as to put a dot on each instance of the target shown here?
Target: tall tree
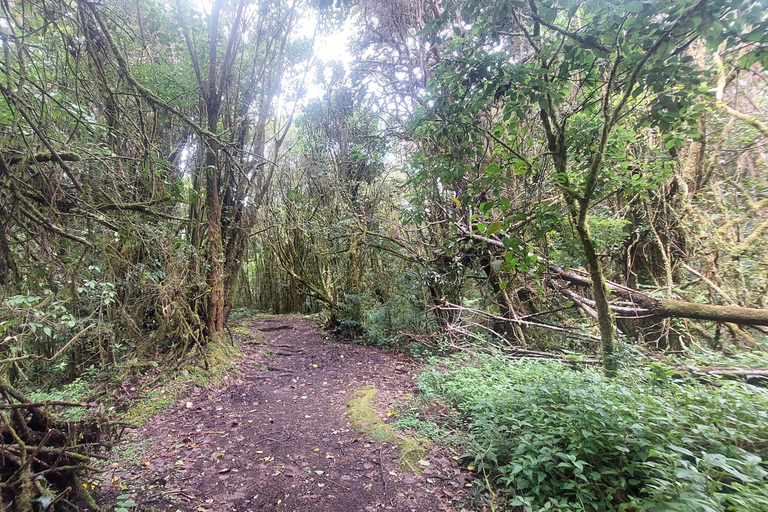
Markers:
(583, 71)
(236, 135)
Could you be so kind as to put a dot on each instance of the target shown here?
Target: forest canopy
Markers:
(574, 180)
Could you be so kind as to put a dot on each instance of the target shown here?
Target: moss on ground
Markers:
(365, 419)
(241, 330)
(221, 357)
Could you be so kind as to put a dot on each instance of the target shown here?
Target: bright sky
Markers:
(328, 47)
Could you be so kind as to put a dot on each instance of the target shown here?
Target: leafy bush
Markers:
(411, 421)
(378, 318)
(550, 437)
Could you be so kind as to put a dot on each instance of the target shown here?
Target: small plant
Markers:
(124, 503)
(410, 421)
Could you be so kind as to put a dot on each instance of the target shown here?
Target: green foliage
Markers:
(79, 390)
(31, 316)
(550, 437)
(380, 318)
(412, 422)
(124, 503)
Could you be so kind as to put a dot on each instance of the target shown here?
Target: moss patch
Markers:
(365, 419)
(241, 330)
(257, 338)
(221, 357)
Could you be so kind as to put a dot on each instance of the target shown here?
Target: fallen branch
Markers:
(448, 306)
(647, 306)
(43, 404)
(760, 373)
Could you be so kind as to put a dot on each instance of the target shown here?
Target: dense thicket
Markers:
(550, 177)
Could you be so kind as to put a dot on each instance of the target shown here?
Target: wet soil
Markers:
(277, 437)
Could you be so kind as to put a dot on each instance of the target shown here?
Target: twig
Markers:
(70, 342)
(347, 488)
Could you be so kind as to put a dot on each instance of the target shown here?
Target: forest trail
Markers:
(278, 437)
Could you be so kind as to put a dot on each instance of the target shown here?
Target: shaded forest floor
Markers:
(278, 436)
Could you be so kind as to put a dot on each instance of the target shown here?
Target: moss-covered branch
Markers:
(674, 308)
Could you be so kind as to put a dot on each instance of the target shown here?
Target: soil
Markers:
(278, 437)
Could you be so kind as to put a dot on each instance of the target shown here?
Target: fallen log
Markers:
(757, 377)
(747, 374)
(673, 308)
(647, 306)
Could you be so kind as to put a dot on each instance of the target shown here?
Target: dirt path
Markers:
(279, 438)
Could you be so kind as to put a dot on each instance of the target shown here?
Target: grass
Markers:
(241, 330)
(257, 338)
(365, 419)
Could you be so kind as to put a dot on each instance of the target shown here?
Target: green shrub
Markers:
(550, 437)
(411, 421)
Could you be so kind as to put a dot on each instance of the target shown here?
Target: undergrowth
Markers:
(547, 437)
(728, 356)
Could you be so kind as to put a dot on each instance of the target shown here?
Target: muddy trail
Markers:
(278, 436)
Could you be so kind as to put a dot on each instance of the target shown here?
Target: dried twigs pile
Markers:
(43, 461)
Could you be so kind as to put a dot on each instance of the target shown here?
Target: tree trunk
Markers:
(604, 315)
(216, 277)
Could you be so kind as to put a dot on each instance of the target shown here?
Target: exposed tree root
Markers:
(40, 461)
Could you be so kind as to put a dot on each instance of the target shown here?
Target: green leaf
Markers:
(635, 6)
(715, 29)
(494, 228)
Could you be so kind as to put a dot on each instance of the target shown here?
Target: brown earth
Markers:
(278, 437)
